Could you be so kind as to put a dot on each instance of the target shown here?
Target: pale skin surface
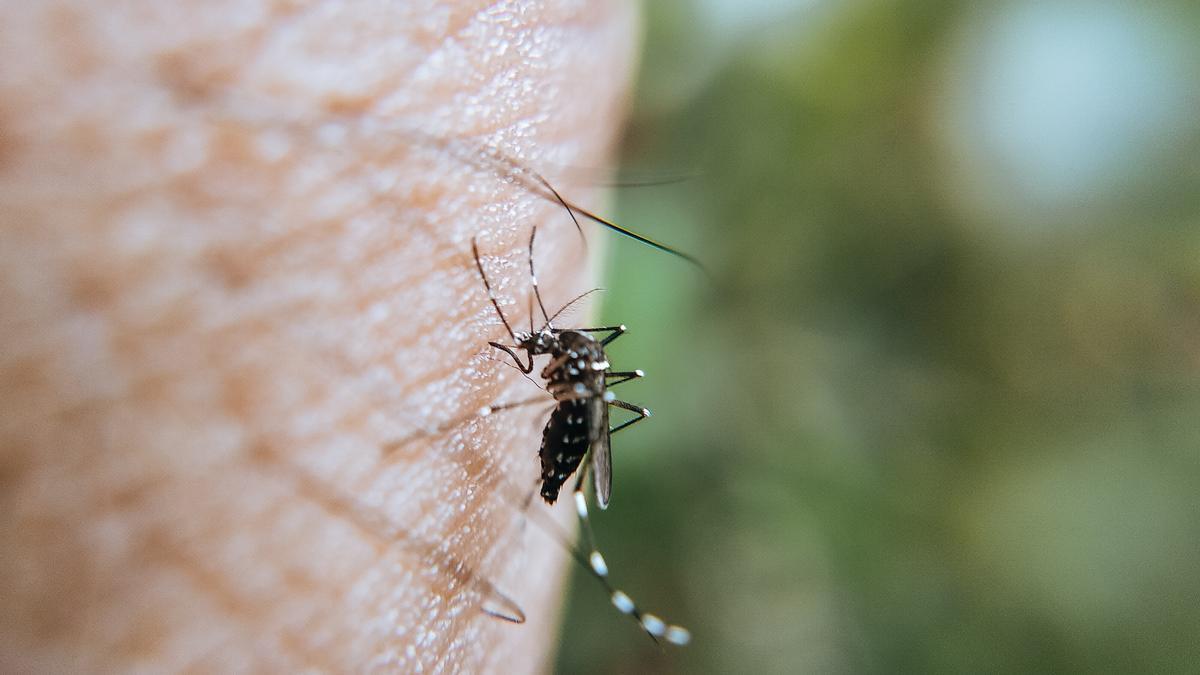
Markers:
(216, 307)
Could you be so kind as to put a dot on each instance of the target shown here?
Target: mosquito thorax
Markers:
(583, 350)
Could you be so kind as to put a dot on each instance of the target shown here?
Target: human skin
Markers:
(231, 280)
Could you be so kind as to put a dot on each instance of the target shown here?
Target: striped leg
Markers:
(655, 627)
(614, 332)
(392, 446)
(643, 413)
(624, 377)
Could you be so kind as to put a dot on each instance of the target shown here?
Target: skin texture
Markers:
(231, 274)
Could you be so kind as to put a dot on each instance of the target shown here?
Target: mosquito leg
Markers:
(488, 410)
(594, 562)
(598, 329)
(389, 533)
(625, 377)
(485, 411)
(614, 333)
(643, 413)
(585, 523)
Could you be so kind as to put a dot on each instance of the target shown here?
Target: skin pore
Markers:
(231, 274)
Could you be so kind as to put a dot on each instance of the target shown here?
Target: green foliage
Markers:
(892, 435)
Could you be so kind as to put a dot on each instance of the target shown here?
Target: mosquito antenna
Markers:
(533, 279)
(572, 302)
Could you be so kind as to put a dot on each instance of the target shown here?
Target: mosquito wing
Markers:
(601, 452)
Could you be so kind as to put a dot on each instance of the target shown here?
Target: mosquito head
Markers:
(537, 342)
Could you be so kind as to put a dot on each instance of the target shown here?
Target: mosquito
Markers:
(577, 437)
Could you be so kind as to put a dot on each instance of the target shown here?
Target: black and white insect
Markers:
(577, 437)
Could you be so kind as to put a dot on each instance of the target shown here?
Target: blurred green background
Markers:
(937, 409)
